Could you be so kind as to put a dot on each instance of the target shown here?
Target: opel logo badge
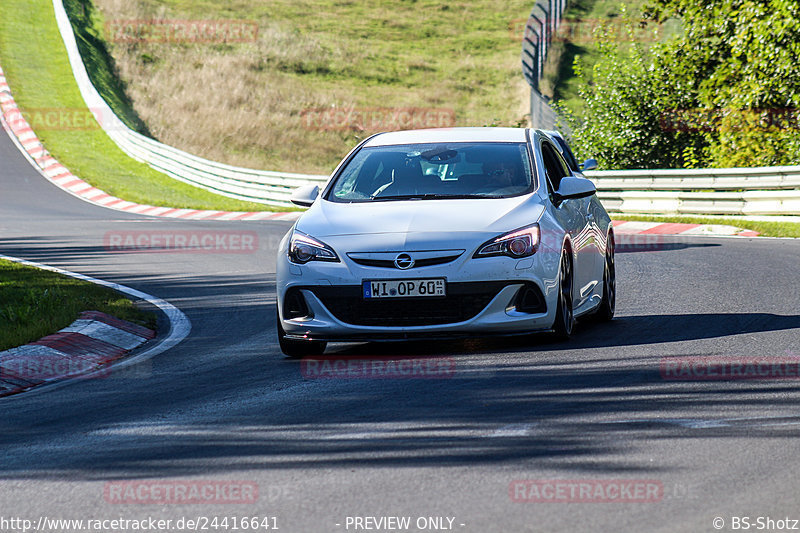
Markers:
(403, 261)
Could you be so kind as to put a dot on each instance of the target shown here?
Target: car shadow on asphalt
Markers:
(621, 331)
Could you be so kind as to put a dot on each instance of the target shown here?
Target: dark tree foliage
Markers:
(725, 92)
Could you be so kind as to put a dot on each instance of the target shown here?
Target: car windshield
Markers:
(434, 171)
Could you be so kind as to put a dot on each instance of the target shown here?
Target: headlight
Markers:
(518, 243)
(304, 248)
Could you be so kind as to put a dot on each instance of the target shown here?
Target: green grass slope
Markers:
(36, 66)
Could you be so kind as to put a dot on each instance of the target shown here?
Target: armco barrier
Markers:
(723, 191)
(762, 178)
(702, 203)
(734, 191)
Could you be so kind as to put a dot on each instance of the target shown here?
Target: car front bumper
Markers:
(331, 292)
(496, 318)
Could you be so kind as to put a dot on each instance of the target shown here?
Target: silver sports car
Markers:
(442, 233)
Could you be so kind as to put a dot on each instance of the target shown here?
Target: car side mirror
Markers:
(589, 164)
(574, 187)
(304, 196)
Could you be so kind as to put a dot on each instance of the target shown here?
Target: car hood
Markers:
(397, 224)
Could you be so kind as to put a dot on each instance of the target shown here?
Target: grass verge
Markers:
(35, 303)
(765, 229)
(36, 66)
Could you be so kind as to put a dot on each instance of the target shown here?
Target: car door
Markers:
(573, 215)
(594, 214)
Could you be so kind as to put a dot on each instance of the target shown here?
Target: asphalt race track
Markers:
(225, 405)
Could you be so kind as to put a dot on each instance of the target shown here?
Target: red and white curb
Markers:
(20, 131)
(89, 344)
(626, 227)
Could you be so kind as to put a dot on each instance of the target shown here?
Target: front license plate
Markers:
(403, 288)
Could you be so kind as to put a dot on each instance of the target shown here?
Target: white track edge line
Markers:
(179, 325)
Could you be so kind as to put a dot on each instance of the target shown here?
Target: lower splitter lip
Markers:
(414, 336)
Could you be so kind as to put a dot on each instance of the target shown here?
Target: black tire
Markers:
(605, 311)
(565, 319)
(297, 349)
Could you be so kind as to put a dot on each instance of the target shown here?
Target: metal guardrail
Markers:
(767, 178)
(734, 191)
(726, 191)
(273, 188)
(245, 184)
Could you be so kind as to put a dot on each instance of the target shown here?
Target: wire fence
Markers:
(540, 29)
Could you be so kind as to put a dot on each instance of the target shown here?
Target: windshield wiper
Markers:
(427, 196)
(402, 197)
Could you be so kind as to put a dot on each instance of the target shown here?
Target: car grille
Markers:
(463, 302)
(389, 263)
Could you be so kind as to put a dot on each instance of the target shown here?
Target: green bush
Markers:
(724, 92)
(626, 107)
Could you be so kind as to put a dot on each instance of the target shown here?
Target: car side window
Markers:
(563, 162)
(554, 165)
(569, 157)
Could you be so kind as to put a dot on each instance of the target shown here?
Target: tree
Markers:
(739, 57)
(629, 103)
(725, 92)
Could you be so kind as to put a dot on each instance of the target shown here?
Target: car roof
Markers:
(442, 135)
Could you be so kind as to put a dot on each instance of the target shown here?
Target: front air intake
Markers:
(529, 299)
(294, 305)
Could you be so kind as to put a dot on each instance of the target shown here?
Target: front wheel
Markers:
(565, 319)
(297, 349)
